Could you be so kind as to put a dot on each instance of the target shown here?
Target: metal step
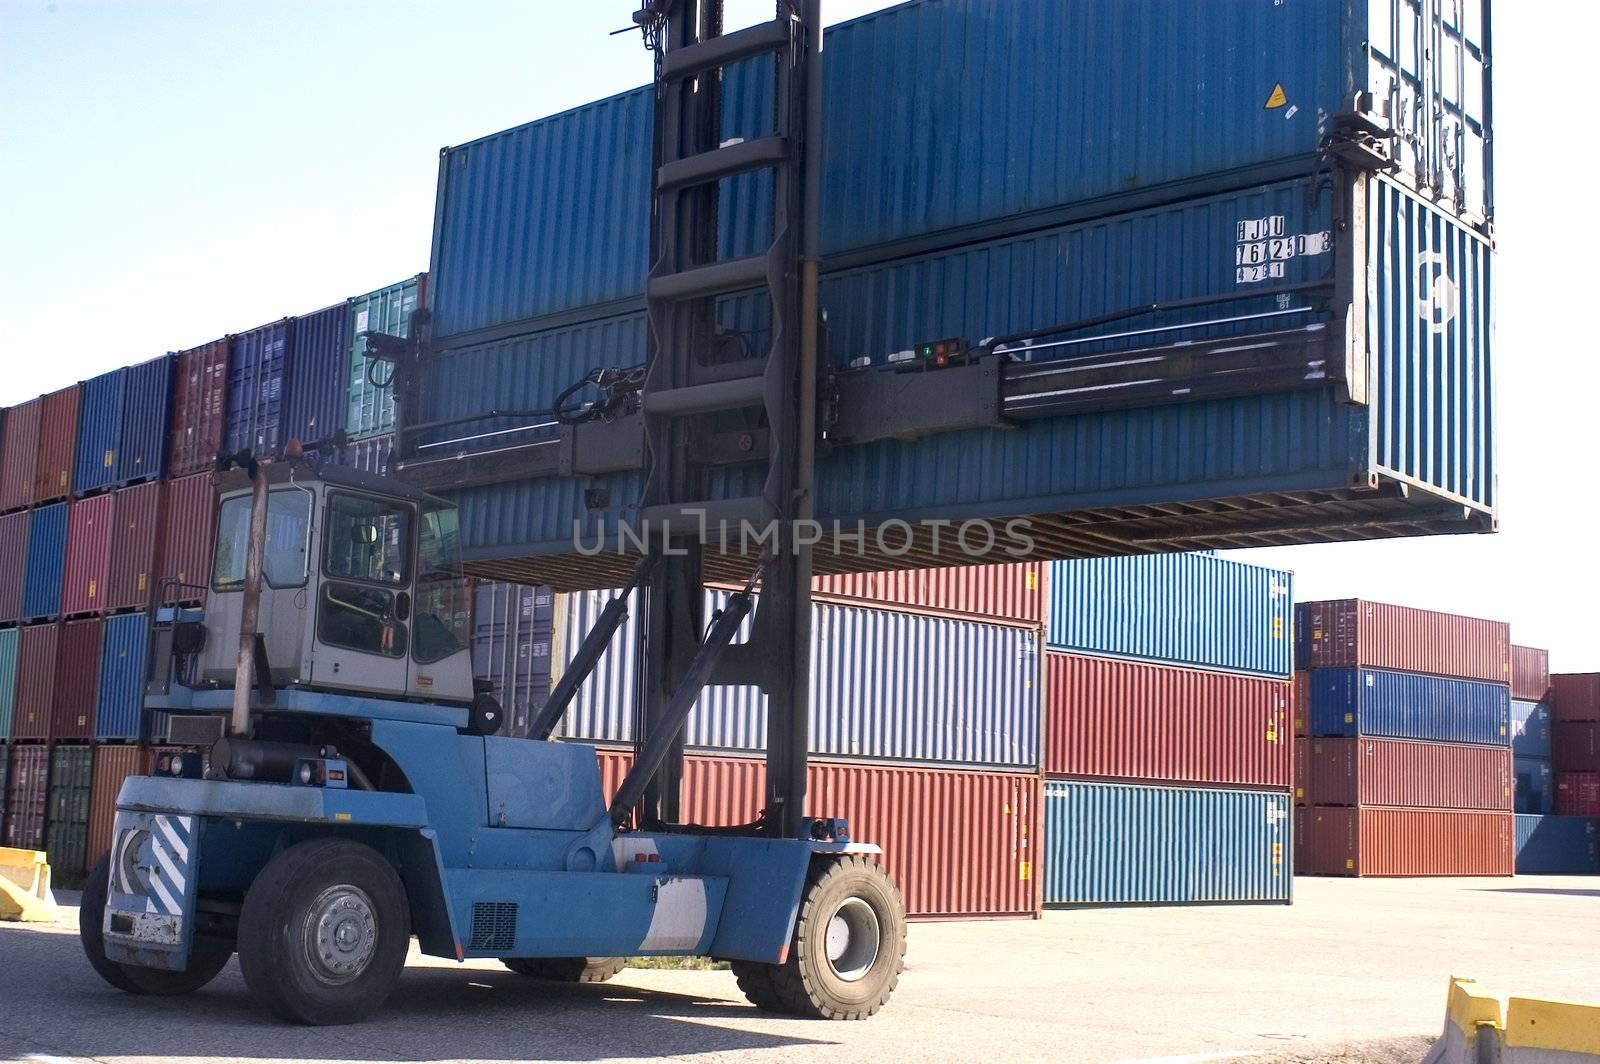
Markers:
(722, 162)
(736, 394)
(721, 51)
(719, 278)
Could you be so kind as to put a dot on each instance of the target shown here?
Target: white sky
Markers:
(173, 170)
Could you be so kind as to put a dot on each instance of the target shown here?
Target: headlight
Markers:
(307, 773)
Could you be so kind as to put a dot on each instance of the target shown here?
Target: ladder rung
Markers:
(705, 398)
(719, 278)
(689, 518)
(722, 162)
(729, 48)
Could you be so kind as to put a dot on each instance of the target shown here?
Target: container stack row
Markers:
(1404, 742)
(1168, 751)
(1553, 737)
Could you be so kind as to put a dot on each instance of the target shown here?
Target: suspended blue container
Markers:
(1404, 705)
(1530, 728)
(255, 389)
(95, 467)
(1536, 785)
(1177, 609)
(47, 555)
(1558, 845)
(124, 649)
(314, 375)
(1136, 844)
(147, 409)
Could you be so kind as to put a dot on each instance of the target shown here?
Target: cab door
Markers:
(363, 600)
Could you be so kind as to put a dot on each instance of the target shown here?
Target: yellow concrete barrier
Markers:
(1526, 1031)
(25, 886)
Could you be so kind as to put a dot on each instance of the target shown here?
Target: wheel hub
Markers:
(852, 940)
(341, 934)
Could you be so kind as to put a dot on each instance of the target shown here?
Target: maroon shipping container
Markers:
(58, 445)
(27, 794)
(37, 645)
(1530, 673)
(1575, 696)
(998, 594)
(1302, 769)
(1401, 772)
(19, 454)
(1370, 841)
(199, 408)
(959, 843)
(1578, 793)
(77, 688)
(1354, 632)
(136, 527)
(1575, 746)
(188, 536)
(83, 580)
(112, 765)
(1115, 719)
(13, 563)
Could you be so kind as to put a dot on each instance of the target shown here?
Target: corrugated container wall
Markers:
(66, 831)
(1348, 632)
(58, 445)
(1558, 845)
(370, 455)
(199, 408)
(1575, 746)
(19, 454)
(188, 536)
(1575, 696)
(513, 627)
(119, 707)
(1404, 842)
(884, 685)
(255, 389)
(77, 693)
(1536, 785)
(47, 553)
(1184, 609)
(27, 796)
(136, 521)
(146, 421)
(1530, 728)
(1127, 843)
(8, 683)
(1401, 705)
(112, 765)
(1012, 593)
(88, 561)
(313, 375)
(370, 409)
(13, 563)
(5, 774)
(1578, 793)
(36, 681)
(1530, 673)
(1409, 773)
(1159, 723)
(99, 443)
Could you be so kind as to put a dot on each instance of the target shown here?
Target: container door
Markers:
(363, 607)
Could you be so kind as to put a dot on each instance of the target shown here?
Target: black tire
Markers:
(206, 960)
(324, 932)
(863, 899)
(567, 969)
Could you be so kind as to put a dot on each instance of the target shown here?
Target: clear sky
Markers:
(173, 170)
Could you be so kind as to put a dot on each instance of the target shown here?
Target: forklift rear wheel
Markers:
(324, 932)
(204, 963)
(848, 949)
(567, 969)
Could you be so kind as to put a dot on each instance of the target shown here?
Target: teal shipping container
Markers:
(370, 406)
(8, 683)
(66, 826)
(1558, 845)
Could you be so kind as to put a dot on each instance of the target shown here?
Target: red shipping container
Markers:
(83, 581)
(27, 794)
(1302, 769)
(19, 454)
(958, 842)
(1369, 841)
(112, 765)
(1116, 719)
(1354, 632)
(1530, 673)
(188, 537)
(58, 445)
(1578, 793)
(1575, 746)
(37, 645)
(199, 408)
(1575, 696)
(136, 527)
(998, 594)
(13, 563)
(77, 687)
(1401, 772)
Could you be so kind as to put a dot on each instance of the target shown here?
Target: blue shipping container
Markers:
(120, 707)
(314, 384)
(47, 555)
(95, 466)
(888, 686)
(948, 120)
(1536, 785)
(1137, 844)
(1558, 845)
(1404, 705)
(513, 626)
(147, 407)
(1178, 609)
(255, 389)
(1530, 728)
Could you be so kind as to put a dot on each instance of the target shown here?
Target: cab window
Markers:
(443, 623)
(367, 560)
(284, 561)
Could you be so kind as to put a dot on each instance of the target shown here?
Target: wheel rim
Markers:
(341, 934)
(852, 940)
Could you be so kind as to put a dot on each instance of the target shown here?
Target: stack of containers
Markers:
(1575, 742)
(925, 718)
(1530, 731)
(1408, 749)
(1555, 733)
(1168, 751)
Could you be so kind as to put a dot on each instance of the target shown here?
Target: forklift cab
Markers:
(361, 586)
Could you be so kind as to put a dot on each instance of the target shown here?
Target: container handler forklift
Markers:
(356, 794)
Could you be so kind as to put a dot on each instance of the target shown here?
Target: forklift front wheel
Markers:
(205, 961)
(324, 932)
(567, 969)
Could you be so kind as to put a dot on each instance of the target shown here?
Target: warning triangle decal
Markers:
(1278, 97)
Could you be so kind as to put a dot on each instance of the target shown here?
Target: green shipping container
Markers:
(8, 679)
(388, 310)
(66, 831)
